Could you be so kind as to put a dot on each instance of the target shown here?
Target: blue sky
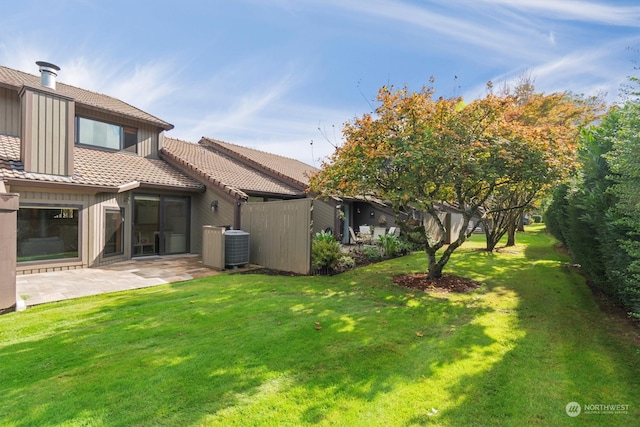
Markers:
(268, 74)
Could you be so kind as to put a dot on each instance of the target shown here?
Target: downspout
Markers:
(237, 220)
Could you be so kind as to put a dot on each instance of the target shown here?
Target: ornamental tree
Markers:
(551, 120)
(417, 153)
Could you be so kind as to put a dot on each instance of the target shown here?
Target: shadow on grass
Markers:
(271, 349)
(215, 346)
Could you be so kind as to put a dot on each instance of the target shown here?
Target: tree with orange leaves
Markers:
(418, 152)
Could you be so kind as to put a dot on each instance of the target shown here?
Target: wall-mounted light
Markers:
(214, 206)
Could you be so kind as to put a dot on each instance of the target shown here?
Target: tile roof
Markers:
(94, 167)
(16, 79)
(225, 172)
(285, 167)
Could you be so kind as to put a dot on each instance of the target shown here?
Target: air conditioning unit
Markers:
(236, 248)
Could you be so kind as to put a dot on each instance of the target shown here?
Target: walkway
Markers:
(137, 273)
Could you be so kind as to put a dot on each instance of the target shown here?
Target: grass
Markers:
(352, 349)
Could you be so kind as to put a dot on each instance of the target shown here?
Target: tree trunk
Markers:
(521, 221)
(435, 267)
(511, 235)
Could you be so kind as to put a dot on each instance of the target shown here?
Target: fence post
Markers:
(9, 203)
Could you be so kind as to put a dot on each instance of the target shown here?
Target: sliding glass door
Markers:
(160, 225)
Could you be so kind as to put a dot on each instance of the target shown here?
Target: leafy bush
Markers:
(325, 251)
(367, 255)
(536, 218)
(346, 262)
(389, 244)
(324, 236)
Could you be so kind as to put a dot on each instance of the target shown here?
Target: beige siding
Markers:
(47, 135)
(97, 242)
(202, 215)
(9, 112)
(324, 215)
(280, 234)
(148, 135)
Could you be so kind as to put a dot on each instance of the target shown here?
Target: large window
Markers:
(105, 135)
(47, 233)
(113, 232)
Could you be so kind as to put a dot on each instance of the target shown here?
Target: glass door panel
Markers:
(176, 221)
(146, 225)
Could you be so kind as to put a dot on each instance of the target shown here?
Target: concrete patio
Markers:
(136, 273)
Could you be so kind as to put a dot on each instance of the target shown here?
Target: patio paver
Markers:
(137, 273)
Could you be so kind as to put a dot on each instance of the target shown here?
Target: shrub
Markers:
(324, 236)
(368, 254)
(346, 262)
(536, 218)
(325, 251)
(389, 244)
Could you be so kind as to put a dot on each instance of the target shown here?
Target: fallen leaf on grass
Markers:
(419, 334)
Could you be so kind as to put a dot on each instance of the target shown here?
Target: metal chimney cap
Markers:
(52, 67)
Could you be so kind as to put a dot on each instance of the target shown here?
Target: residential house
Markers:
(92, 187)
(99, 182)
(230, 183)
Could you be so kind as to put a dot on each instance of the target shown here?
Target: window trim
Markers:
(113, 209)
(77, 259)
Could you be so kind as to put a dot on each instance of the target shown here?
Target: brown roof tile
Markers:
(224, 171)
(16, 79)
(290, 169)
(96, 167)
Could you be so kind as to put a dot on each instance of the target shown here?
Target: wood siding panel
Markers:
(324, 215)
(97, 210)
(280, 234)
(47, 144)
(9, 112)
(201, 215)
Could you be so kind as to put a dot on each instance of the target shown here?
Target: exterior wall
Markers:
(370, 214)
(9, 112)
(202, 215)
(148, 135)
(47, 133)
(324, 215)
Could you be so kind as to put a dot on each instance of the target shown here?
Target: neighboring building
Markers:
(86, 166)
(331, 213)
(230, 183)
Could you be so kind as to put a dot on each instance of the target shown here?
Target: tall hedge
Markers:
(598, 217)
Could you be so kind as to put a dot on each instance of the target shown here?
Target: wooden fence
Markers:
(280, 234)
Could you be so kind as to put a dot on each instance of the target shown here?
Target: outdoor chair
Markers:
(354, 240)
(365, 233)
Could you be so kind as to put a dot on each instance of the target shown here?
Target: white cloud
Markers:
(586, 11)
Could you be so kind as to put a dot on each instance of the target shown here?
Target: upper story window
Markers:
(105, 135)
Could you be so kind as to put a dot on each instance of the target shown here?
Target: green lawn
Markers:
(245, 350)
